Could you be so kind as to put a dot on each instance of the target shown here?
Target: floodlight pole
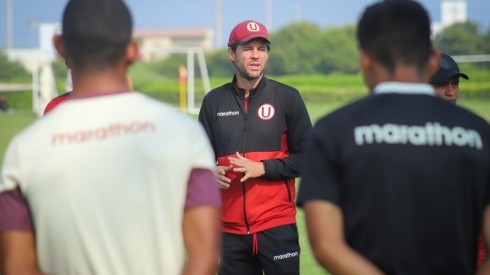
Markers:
(219, 23)
(268, 14)
(298, 13)
(10, 25)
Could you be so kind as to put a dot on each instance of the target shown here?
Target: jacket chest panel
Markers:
(261, 128)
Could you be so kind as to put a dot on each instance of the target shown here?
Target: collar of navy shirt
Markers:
(403, 88)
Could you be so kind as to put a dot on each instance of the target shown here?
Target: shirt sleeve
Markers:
(298, 126)
(202, 189)
(319, 178)
(205, 118)
(14, 211)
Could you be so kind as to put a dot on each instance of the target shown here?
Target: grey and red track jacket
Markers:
(270, 126)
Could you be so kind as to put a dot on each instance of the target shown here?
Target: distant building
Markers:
(158, 43)
(452, 11)
(154, 44)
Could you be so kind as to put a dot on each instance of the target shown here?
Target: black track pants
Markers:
(273, 251)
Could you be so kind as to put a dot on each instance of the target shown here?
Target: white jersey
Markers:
(106, 180)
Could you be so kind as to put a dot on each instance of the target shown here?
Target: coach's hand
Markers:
(251, 169)
(223, 181)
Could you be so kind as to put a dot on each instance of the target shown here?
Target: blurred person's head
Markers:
(394, 38)
(446, 80)
(96, 34)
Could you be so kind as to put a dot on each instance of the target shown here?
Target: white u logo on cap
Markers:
(253, 27)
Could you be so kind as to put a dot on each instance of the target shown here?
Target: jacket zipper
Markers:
(244, 147)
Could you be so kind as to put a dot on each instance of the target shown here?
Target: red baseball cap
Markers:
(247, 30)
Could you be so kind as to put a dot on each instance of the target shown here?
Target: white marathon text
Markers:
(432, 134)
(229, 113)
(111, 131)
(286, 256)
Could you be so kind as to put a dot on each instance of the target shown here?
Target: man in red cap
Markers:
(256, 127)
(446, 80)
(93, 188)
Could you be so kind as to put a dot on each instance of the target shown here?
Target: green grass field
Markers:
(10, 124)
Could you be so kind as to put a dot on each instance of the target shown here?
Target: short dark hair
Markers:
(396, 32)
(95, 33)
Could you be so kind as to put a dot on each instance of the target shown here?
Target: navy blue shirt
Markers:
(411, 174)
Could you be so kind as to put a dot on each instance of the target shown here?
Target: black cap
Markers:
(448, 68)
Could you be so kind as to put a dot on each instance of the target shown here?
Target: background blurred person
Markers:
(446, 80)
(111, 181)
(397, 182)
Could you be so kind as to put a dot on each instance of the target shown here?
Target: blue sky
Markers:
(201, 13)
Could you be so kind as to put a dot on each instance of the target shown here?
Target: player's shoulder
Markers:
(223, 93)
(32, 132)
(473, 118)
(468, 113)
(281, 87)
(351, 108)
(55, 102)
(225, 88)
(164, 114)
(145, 102)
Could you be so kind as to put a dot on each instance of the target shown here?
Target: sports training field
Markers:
(12, 123)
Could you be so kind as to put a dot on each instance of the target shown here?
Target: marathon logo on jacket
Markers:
(432, 134)
(229, 113)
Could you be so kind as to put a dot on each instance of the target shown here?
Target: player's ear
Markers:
(433, 64)
(59, 46)
(231, 54)
(365, 62)
(368, 68)
(132, 52)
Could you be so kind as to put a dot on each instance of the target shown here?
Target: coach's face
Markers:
(250, 59)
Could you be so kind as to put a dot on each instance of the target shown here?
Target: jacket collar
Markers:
(241, 92)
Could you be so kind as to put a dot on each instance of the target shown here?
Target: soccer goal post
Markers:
(192, 53)
(471, 58)
(43, 87)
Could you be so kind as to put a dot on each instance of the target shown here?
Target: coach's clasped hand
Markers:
(251, 169)
(223, 181)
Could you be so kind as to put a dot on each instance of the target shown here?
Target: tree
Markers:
(169, 66)
(219, 63)
(12, 71)
(296, 49)
(486, 42)
(339, 52)
(460, 39)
